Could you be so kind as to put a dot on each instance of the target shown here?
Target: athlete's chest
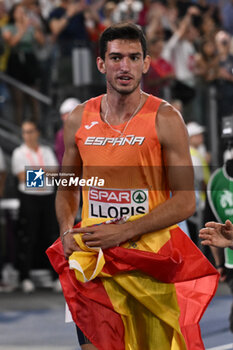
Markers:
(99, 144)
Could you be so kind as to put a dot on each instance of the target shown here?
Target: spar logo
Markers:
(139, 196)
(115, 203)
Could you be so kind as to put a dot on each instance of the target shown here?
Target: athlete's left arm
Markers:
(173, 138)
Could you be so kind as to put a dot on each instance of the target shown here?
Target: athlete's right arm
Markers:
(67, 199)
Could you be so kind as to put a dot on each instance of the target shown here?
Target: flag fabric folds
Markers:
(149, 294)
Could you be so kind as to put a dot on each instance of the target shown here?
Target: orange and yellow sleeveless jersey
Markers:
(131, 165)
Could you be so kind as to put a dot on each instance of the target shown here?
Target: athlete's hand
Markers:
(217, 235)
(105, 236)
(69, 244)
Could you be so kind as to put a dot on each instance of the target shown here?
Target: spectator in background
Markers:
(108, 11)
(196, 139)
(160, 72)
(227, 16)
(224, 91)
(142, 17)
(209, 26)
(67, 23)
(46, 7)
(94, 26)
(206, 70)
(65, 109)
(154, 27)
(21, 35)
(127, 11)
(38, 225)
(32, 9)
(4, 51)
(180, 50)
(207, 61)
(43, 53)
(2, 173)
(161, 20)
(225, 76)
(2, 184)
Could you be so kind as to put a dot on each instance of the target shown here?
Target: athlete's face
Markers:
(123, 65)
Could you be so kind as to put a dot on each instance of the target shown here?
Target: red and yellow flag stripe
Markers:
(149, 294)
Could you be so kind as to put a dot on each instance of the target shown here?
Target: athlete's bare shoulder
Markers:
(72, 124)
(169, 123)
(169, 113)
(75, 118)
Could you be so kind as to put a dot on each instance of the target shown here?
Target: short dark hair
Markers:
(127, 31)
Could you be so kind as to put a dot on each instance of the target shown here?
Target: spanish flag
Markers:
(144, 295)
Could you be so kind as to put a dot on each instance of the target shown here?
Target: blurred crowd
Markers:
(50, 44)
(190, 42)
(55, 42)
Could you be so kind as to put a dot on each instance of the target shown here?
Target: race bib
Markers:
(116, 203)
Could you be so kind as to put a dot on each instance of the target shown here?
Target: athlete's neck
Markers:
(120, 108)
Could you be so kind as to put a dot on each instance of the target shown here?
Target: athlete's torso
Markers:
(131, 165)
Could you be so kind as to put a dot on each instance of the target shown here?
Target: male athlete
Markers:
(139, 145)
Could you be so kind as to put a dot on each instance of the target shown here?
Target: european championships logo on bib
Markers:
(35, 178)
